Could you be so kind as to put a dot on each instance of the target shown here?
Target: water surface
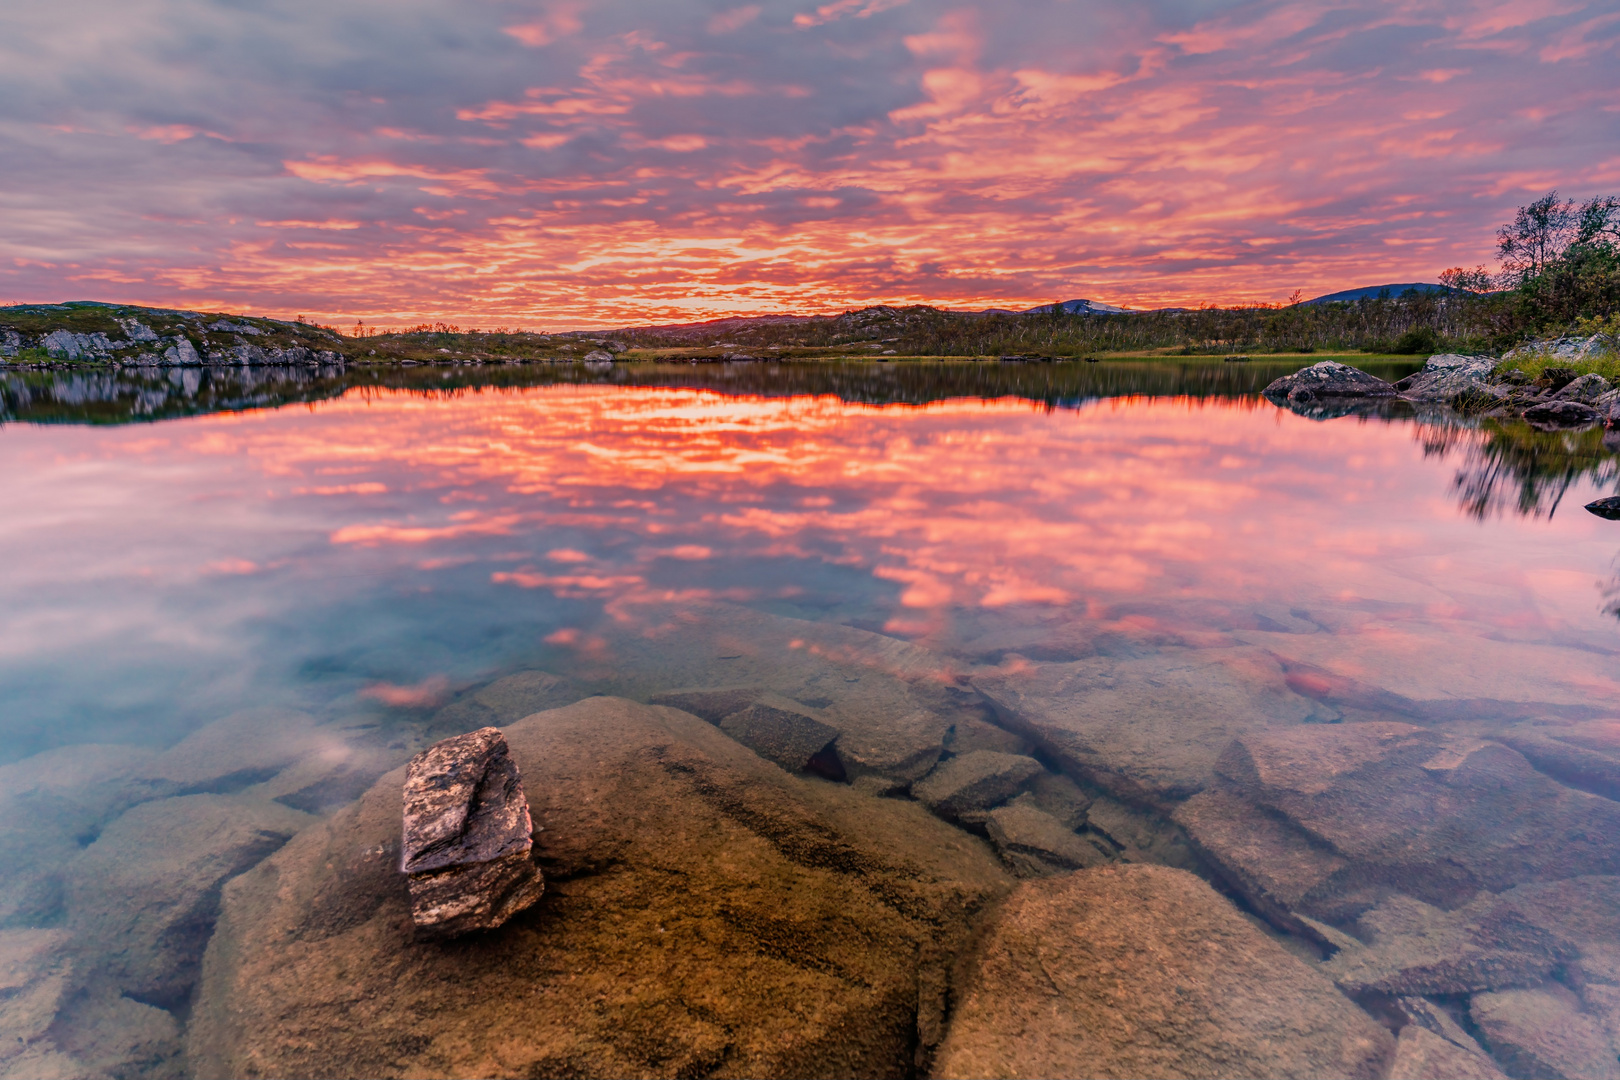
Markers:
(1156, 543)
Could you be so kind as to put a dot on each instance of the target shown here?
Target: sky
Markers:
(578, 163)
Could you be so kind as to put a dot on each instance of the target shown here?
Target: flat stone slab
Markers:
(1135, 970)
(1420, 1054)
(467, 836)
(1035, 843)
(976, 780)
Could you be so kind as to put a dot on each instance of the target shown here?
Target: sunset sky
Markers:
(607, 162)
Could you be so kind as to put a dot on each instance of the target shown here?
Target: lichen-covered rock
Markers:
(1327, 379)
(1131, 971)
(1446, 375)
(467, 836)
(975, 781)
(706, 913)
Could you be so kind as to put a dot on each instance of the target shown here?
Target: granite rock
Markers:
(1558, 413)
(1327, 379)
(706, 912)
(467, 836)
(1131, 971)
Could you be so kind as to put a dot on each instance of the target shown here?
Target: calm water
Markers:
(1123, 571)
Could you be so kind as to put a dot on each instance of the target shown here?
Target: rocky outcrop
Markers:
(1566, 350)
(1327, 379)
(1130, 971)
(1544, 1032)
(1420, 1054)
(1033, 843)
(467, 836)
(706, 912)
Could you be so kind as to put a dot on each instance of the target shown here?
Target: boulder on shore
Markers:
(1136, 970)
(706, 913)
(467, 836)
(1447, 375)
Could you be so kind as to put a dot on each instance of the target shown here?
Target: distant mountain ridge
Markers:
(1371, 292)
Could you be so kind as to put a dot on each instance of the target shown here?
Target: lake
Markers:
(1353, 677)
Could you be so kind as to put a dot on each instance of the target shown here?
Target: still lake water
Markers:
(1124, 572)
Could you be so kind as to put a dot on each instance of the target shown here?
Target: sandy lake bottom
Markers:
(1173, 734)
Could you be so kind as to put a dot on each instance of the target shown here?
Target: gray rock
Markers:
(135, 330)
(598, 359)
(707, 912)
(10, 342)
(974, 781)
(467, 836)
(1587, 389)
(1129, 971)
(1034, 843)
(1415, 949)
(1565, 350)
(141, 901)
(1420, 1054)
(780, 730)
(234, 328)
(1543, 1032)
(66, 344)
(182, 352)
(1327, 379)
(1445, 376)
(1559, 413)
(903, 747)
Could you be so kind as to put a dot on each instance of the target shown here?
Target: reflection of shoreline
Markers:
(1508, 465)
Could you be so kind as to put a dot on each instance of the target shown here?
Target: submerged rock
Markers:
(1418, 949)
(141, 901)
(1544, 1032)
(1150, 728)
(1034, 843)
(975, 781)
(706, 913)
(1131, 971)
(467, 836)
(779, 730)
(1413, 811)
(1327, 379)
(1420, 1054)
